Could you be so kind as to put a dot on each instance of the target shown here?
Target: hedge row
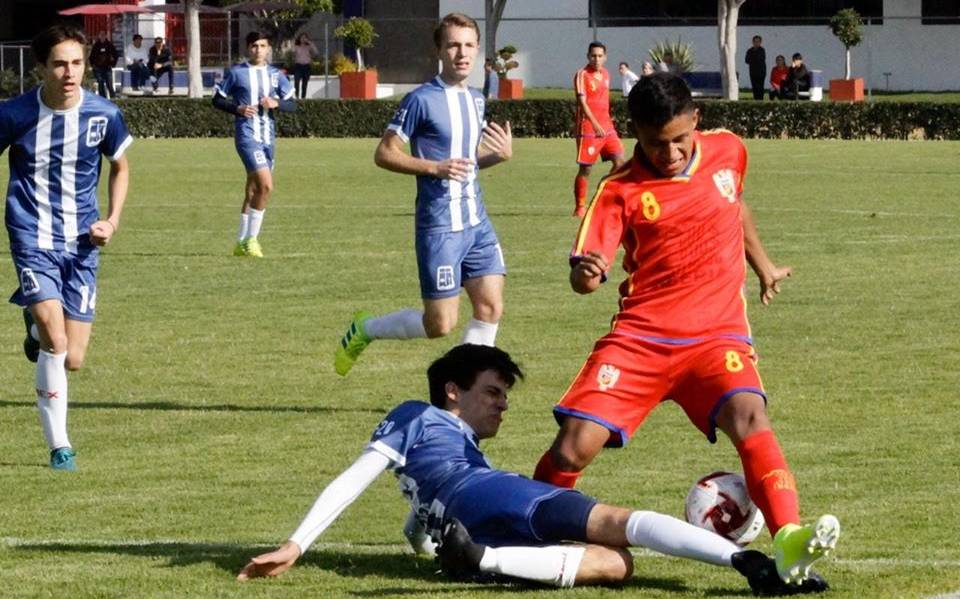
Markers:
(163, 117)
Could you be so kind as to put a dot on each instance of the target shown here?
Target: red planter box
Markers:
(510, 89)
(846, 90)
(361, 85)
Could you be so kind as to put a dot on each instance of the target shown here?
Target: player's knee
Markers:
(742, 415)
(74, 360)
(439, 325)
(618, 566)
(605, 566)
(569, 458)
(488, 311)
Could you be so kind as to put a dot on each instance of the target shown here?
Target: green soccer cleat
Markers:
(252, 247)
(354, 341)
(62, 459)
(796, 547)
(239, 249)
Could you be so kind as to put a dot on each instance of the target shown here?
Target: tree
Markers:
(359, 32)
(191, 22)
(492, 13)
(283, 24)
(728, 12)
(846, 26)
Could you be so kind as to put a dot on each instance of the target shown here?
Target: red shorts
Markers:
(625, 377)
(589, 147)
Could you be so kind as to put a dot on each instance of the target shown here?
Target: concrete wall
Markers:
(919, 57)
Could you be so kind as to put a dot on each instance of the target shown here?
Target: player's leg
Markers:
(580, 185)
(51, 381)
(239, 249)
(484, 273)
(577, 443)
(613, 150)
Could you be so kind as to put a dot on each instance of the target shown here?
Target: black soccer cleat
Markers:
(31, 347)
(458, 556)
(761, 574)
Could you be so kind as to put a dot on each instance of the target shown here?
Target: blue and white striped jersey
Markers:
(55, 167)
(247, 85)
(441, 122)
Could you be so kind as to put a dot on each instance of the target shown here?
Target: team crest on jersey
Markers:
(259, 157)
(96, 130)
(445, 278)
(478, 102)
(607, 376)
(28, 282)
(726, 182)
(274, 80)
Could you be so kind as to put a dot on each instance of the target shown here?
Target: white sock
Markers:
(244, 226)
(671, 536)
(256, 221)
(480, 333)
(556, 565)
(52, 398)
(416, 534)
(402, 324)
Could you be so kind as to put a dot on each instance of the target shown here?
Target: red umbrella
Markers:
(261, 6)
(178, 8)
(102, 9)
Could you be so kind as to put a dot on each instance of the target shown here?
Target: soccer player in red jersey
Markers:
(681, 332)
(596, 134)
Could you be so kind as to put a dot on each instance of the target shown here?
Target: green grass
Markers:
(208, 416)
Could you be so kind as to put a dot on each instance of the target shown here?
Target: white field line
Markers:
(13, 542)
(952, 595)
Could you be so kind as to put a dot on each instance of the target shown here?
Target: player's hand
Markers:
(273, 563)
(101, 232)
(454, 168)
(248, 111)
(599, 131)
(498, 140)
(587, 274)
(268, 102)
(770, 283)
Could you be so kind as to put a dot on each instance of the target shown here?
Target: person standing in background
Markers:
(757, 60)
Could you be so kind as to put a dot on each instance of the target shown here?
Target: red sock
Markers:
(580, 190)
(769, 480)
(548, 472)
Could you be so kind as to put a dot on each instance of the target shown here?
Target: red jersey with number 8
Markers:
(682, 240)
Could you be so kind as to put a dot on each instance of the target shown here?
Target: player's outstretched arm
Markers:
(390, 156)
(496, 145)
(335, 498)
(102, 231)
(587, 274)
(767, 272)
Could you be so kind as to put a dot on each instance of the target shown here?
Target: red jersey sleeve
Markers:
(601, 229)
(578, 83)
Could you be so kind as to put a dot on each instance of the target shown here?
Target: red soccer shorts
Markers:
(625, 377)
(590, 147)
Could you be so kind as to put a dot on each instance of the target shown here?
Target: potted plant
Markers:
(675, 57)
(510, 89)
(361, 83)
(846, 26)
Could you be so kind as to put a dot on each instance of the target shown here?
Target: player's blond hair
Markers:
(454, 19)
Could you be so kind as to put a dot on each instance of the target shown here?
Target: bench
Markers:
(181, 80)
(815, 93)
(705, 84)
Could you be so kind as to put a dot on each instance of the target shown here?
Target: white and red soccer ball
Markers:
(720, 503)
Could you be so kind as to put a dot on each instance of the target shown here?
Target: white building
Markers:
(902, 53)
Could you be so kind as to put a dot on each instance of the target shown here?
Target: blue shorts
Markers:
(254, 154)
(508, 509)
(69, 278)
(447, 258)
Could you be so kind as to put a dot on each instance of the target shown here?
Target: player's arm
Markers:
(769, 273)
(597, 129)
(335, 498)
(588, 272)
(391, 156)
(119, 181)
(496, 145)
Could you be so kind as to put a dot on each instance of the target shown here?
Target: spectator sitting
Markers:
(797, 80)
(646, 69)
(491, 81)
(627, 79)
(777, 74)
(103, 57)
(135, 56)
(160, 61)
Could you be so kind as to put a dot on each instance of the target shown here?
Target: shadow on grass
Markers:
(230, 558)
(175, 407)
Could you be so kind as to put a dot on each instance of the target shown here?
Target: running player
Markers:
(251, 91)
(596, 134)
(682, 331)
(518, 524)
(57, 134)
(455, 242)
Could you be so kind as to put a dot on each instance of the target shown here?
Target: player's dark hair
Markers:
(53, 35)
(656, 99)
(255, 36)
(454, 19)
(596, 45)
(461, 366)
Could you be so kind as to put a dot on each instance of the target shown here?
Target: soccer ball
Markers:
(720, 503)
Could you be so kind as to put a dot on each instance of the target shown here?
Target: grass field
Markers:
(208, 415)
